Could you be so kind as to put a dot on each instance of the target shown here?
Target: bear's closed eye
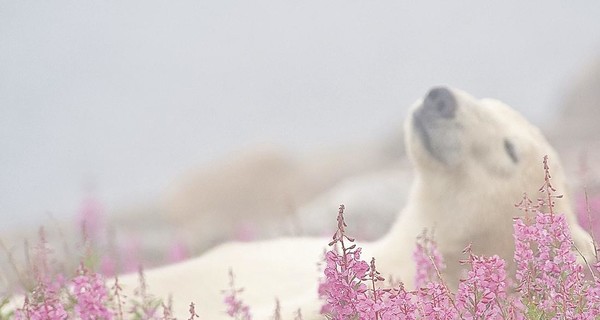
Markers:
(510, 150)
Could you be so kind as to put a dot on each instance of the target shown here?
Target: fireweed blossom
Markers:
(343, 287)
(346, 285)
(45, 304)
(91, 294)
(427, 259)
(551, 282)
(235, 306)
(482, 294)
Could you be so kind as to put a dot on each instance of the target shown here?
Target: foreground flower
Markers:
(482, 295)
(551, 282)
(90, 292)
(343, 287)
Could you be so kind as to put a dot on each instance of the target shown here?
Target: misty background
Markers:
(121, 98)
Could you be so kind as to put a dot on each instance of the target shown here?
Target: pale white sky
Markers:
(130, 94)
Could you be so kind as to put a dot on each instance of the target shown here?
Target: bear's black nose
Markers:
(440, 101)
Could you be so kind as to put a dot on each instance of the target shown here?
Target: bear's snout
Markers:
(439, 102)
(434, 123)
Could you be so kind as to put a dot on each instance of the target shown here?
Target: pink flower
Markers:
(45, 303)
(401, 305)
(547, 272)
(130, 254)
(245, 231)
(235, 306)
(482, 295)
(91, 295)
(91, 218)
(434, 302)
(590, 221)
(342, 287)
(108, 266)
(178, 251)
(426, 251)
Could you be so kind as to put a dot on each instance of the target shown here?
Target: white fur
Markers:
(468, 198)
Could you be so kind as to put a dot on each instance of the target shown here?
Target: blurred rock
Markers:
(258, 193)
(580, 110)
(575, 132)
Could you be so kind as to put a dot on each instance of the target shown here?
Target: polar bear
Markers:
(473, 160)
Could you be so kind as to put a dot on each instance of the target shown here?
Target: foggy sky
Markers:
(128, 95)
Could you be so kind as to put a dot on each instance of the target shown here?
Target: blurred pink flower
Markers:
(90, 218)
(130, 254)
(245, 231)
(178, 251)
(235, 306)
(108, 266)
(426, 251)
(591, 221)
(44, 304)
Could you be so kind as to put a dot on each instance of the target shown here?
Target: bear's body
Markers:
(474, 159)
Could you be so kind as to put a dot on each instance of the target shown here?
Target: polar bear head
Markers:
(475, 158)
(478, 146)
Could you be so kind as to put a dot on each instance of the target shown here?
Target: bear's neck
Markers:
(435, 205)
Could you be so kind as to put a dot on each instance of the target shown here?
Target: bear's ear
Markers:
(509, 147)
